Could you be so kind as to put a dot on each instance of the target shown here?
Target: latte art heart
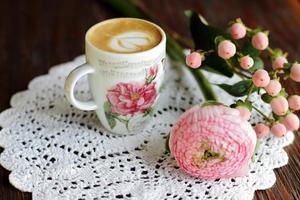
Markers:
(129, 42)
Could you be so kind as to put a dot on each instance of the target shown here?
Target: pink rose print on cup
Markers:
(124, 100)
(153, 70)
(151, 73)
(129, 99)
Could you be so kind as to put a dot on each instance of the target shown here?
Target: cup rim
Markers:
(162, 41)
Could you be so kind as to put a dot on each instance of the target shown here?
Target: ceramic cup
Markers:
(124, 86)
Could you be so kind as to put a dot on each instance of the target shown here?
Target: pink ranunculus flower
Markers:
(212, 142)
(131, 98)
(153, 71)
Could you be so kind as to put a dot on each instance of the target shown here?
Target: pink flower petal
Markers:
(130, 98)
(218, 133)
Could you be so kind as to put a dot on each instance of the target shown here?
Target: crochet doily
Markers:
(58, 152)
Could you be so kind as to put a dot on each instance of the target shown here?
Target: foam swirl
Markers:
(130, 42)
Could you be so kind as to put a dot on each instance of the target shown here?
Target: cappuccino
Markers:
(124, 35)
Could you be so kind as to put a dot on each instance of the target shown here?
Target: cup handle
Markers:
(70, 83)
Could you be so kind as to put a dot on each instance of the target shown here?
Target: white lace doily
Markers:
(58, 152)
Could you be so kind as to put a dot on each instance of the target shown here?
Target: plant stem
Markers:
(248, 29)
(262, 114)
(237, 71)
(208, 52)
(250, 91)
(270, 51)
(204, 85)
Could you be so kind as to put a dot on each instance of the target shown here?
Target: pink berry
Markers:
(279, 62)
(246, 62)
(273, 88)
(194, 60)
(261, 78)
(278, 130)
(245, 114)
(226, 49)
(260, 41)
(295, 72)
(238, 31)
(294, 102)
(279, 105)
(291, 122)
(261, 130)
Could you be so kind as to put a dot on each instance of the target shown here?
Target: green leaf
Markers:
(246, 104)
(203, 34)
(204, 37)
(176, 53)
(283, 93)
(235, 61)
(251, 33)
(107, 107)
(248, 49)
(239, 89)
(276, 53)
(266, 98)
(216, 64)
(149, 111)
(111, 120)
(287, 70)
(233, 105)
(258, 64)
(276, 117)
(287, 66)
(108, 115)
(219, 39)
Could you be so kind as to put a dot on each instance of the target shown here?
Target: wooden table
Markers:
(35, 35)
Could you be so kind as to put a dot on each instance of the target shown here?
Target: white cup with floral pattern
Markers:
(124, 86)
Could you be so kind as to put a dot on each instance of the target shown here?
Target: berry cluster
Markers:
(266, 84)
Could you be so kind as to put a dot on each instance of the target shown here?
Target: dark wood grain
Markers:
(35, 35)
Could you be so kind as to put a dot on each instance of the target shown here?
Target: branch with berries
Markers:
(239, 52)
(203, 140)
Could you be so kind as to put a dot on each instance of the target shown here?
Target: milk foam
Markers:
(130, 41)
(124, 36)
